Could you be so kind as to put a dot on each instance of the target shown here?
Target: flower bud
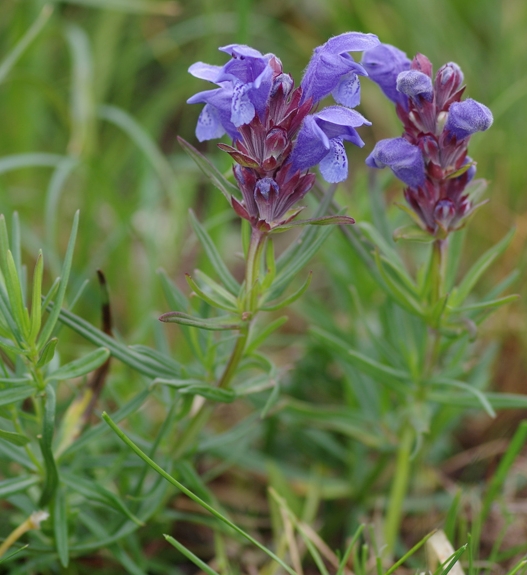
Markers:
(266, 194)
(467, 117)
(415, 84)
(444, 212)
(404, 159)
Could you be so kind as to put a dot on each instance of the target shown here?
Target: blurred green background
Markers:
(89, 116)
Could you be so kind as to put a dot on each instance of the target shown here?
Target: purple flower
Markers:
(404, 159)
(276, 136)
(431, 157)
(320, 141)
(466, 118)
(415, 84)
(245, 85)
(383, 64)
(332, 70)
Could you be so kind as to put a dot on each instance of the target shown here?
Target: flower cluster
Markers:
(431, 156)
(277, 133)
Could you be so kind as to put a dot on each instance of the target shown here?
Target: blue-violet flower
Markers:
(431, 156)
(277, 133)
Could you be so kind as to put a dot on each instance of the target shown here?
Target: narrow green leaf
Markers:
(197, 387)
(256, 339)
(81, 366)
(14, 292)
(398, 291)
(93, 490)
(270, 262)
(176, 382)
(51, 479)
(143, 140)
(486, 305)
(22, 45)
(469, 281)
(30, 160)
(118, 350)
(217, 288)
(66, 268)
(276, 305)
(60, 526)
(4, 245)
(82, 105)
(452, 517)
(12, 349)
(189, 555)
(36, 300)
(215, 324)
(157, 360)
(191, 495)
(14, 438)
(408, 554)
(338, 220)
(453, 559)
(384, 374)
(15, 394)
(413, 233)
(17, 484)
(56, 185)
(271, 401)
(214, 256)
(297, 256)
(214, 302)
(214, 175)
(209, 392)
(468, 400)
(386, 247)
(46, 355)
(343, 562)
(440, 381)
(101, 429)
(513, 451)
(160, 7)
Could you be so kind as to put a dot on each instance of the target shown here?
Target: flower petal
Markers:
(383, 64)
(467, 117)
(311, 145)
(414, 83)
(205, 71)
(334, 166)
(331, 61)
(242, 109)
(240, 51)
(209, 124)
(351, 42)
(405, 160)
(347, 91)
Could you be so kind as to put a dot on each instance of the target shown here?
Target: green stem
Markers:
(249, 304)
(399, 489)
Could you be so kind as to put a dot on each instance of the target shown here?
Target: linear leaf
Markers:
(221, 323)
(117, 350)
(81, 366)
(29, 160)
(214, 256)
(191, 495)
(14, 438)
(66, 268)
(465, 287)
(210, 170)
(51, 479)
(22, 45)
(60, 526)
(14, 394)
(15, 485)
